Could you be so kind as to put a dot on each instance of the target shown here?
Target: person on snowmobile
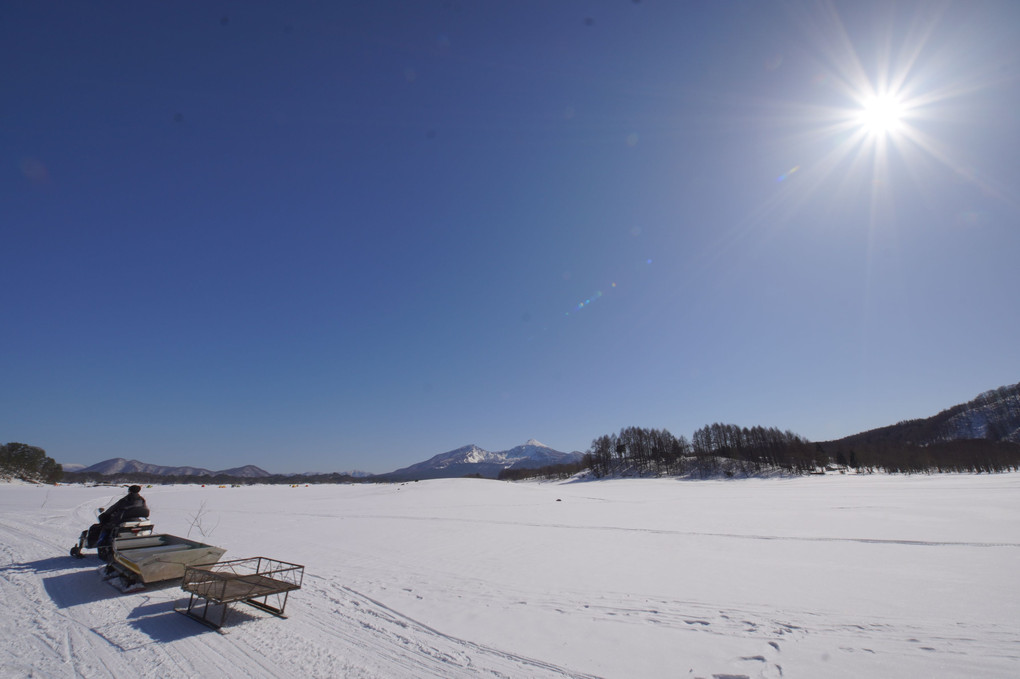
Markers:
(131, 506)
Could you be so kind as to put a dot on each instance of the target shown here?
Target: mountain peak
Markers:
(471, 459)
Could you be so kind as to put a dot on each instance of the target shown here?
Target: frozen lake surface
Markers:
(834, 576)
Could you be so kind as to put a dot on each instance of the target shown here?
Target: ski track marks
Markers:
(411, 648)
(370, 618)
(764, 633)
(59, 610)
(657, 531)
(62, 612)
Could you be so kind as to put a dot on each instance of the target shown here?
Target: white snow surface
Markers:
(834, 576)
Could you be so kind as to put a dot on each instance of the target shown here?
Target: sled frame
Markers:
(253, 581)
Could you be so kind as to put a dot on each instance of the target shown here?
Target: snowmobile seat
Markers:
(134, 514)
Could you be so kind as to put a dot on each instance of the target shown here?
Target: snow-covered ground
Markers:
(835, 576)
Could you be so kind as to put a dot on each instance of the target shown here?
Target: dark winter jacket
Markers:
(131, 506)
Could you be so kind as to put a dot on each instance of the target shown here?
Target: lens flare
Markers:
(783, 176)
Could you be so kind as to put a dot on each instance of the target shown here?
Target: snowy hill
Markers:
(119, 465)
(470, 460)
(993, 415)
(248, 471)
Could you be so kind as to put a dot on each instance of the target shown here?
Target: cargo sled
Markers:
(258, 581)
(154, 558)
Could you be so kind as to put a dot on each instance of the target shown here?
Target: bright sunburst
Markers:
(892, 102)
(881, 114)
(879, 131)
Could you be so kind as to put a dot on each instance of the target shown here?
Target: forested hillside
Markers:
(982, 435)
(29, 463)
(992, 416)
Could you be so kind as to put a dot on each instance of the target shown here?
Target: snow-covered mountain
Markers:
(470, 460)
(993, 415)
(119, 465)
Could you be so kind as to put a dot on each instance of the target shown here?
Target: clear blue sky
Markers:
(352, 235)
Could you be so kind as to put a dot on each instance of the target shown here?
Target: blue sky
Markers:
(332, 236)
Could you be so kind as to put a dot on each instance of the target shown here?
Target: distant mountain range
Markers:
(468, 460)
(992, 416)
(119, 465)
(472, 460)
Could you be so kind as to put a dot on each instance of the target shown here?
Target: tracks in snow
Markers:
(658, 531)
(63, 621)
(391, 644)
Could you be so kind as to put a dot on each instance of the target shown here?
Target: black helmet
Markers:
(135, 489)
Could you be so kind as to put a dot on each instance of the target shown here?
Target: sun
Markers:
(881, 115)
(876, 128)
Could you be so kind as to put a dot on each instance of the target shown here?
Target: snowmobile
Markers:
(101, 539)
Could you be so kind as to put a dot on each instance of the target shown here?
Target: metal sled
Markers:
(159, 557)
(251, 581)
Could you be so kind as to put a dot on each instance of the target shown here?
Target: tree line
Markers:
(553, 471)
(728, 449)
(29, 463)
(657, 451)
(959, 455)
